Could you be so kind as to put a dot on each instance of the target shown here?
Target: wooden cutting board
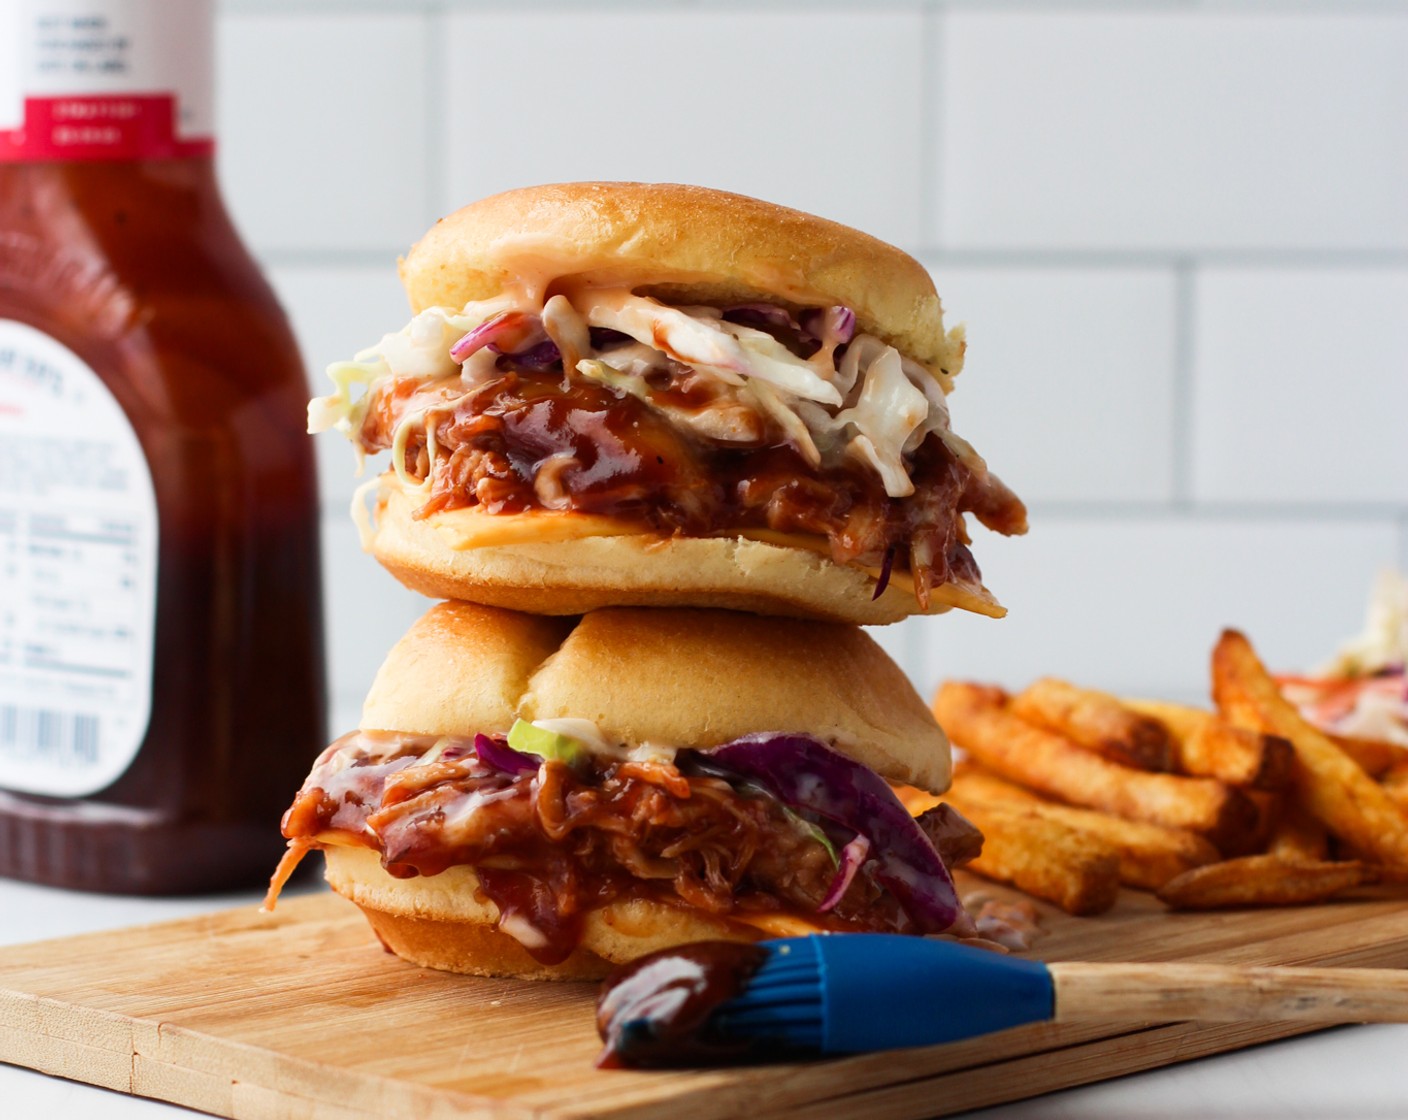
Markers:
(301, 1014)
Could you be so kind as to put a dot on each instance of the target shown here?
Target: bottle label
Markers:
(78, 566)
(106, 79)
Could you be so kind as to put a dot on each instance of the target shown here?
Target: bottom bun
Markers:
(443, 921)
(475, 950)
(573, 576)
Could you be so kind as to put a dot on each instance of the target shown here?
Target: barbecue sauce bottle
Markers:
(161, 663)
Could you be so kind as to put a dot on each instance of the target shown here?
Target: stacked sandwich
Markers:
(662, 450)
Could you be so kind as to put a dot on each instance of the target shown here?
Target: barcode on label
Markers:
(62, 738)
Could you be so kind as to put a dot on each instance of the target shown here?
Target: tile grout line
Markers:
(436, 32)
(1182, 402)
(1267, 8)
(911, 652)
(381, 258)
(1033, 256)
(1095, 509)
(280, 257)
(334, 511)
(932, 92)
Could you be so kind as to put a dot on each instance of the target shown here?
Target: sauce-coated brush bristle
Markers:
(782, 1000)
(824, 994)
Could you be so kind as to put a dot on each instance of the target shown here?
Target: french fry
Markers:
(1149, 854)
(1376, 757)
(1330, 784)
(915, 800)
(1395, 784)
(975, 717)
(1076, 871)
(1268, 807)
(1264, 880)
(1096, 721)
(1206, 745)
(1299, 837)
(983, 784)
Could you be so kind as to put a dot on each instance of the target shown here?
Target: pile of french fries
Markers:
(1078, 792)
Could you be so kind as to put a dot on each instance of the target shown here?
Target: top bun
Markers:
(689, 678)
(684, 245)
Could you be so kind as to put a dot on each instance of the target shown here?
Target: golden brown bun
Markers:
(701, 678)
(676, 677)
(640, 570)
(685, 245)
(460, 668)
(440, 922)
(667, 676)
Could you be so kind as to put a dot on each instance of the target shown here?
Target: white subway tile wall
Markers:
(1177, 231)
(1178, 129)
(757, 103)
(1300, 385)
(1134, 599)
(336, 311)
(1069, 384)
(325, 125)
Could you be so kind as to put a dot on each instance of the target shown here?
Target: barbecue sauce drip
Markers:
(529, 906)
(657, 1011)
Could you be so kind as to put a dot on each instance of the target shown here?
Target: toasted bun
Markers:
(680, 677)
(460, 669)
(578, 574)
(441, 921)
(684, 245)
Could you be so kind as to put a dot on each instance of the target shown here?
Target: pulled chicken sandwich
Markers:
(617, 394)
(543, 797)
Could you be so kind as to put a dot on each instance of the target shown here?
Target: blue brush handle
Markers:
(884, 991)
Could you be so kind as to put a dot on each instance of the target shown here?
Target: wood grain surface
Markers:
(301, 1014)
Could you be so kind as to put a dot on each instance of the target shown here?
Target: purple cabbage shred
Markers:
(498, 754)
(883, 580)
(807, 775)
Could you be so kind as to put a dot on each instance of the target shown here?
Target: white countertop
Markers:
(1353, 1073)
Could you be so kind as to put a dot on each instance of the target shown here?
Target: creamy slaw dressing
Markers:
(1383, 645)
(872, 407)
(1378, 661)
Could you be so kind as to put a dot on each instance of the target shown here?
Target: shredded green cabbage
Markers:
(766, 359)
(875, 407)
(408, 424)
(554, 745)
(361, 512)
(594, 369)
(815, 832)
(338, 411)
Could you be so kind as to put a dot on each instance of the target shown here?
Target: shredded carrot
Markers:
(298, 847)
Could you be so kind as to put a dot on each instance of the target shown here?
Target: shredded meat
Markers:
(550, 845)
(954, 836)
(533, 440)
